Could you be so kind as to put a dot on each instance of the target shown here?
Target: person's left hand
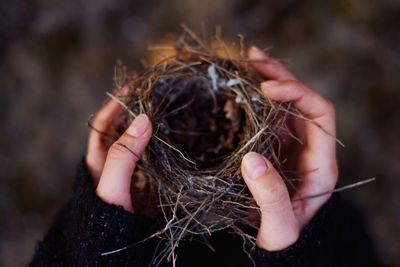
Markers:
(111, 167)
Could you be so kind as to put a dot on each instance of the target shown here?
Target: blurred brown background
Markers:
(56, 63)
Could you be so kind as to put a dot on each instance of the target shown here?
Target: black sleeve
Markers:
(86, 227)
(336, 236)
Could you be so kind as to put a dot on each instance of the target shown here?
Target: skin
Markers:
(111, 167)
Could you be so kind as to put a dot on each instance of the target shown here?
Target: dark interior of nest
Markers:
(202, 123)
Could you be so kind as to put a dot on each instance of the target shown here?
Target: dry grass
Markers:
(207, 112)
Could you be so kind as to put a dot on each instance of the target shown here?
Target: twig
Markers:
(170, 146)
(121, 103)
(89, 123)
(343, 188)
(130, 150)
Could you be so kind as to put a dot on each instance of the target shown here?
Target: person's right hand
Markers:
(112, 167)
(282, 220)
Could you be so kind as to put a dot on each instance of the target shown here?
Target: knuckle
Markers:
(298, 86)
(294, 83)
(275, 62)
(125, 146)
(101, 118)
(330, 107)
(117, 151)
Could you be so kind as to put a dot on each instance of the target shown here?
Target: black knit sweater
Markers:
(86, 227)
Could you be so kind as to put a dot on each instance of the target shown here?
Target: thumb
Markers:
(115, 181)
(279, 228)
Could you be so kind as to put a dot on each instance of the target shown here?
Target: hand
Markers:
(111, 167)
(282, 220)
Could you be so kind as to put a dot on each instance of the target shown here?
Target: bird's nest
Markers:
(207, 112)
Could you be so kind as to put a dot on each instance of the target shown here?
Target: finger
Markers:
(115, 182)
(268, 67)
(318, 157)
(314, 106)
(96, 151)
(279, 227)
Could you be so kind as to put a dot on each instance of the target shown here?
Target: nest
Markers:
(207, 112)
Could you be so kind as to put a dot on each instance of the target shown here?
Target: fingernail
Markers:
(254, 165)
(257, 53)
(269, 83)
(138, 126)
